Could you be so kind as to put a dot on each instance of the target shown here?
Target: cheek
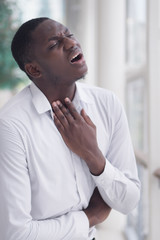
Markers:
(58, 61)
(57, 69)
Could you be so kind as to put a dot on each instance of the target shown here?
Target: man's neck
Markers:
(58, 92)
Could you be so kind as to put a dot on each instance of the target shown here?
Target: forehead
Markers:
(47, 29)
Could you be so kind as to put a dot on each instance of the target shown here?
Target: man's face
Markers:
(58, 53)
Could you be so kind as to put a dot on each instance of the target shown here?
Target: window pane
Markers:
(136, 108)
(48, 8)
(138, 221)
(136, 32)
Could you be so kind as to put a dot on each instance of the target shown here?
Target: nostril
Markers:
(69, 43)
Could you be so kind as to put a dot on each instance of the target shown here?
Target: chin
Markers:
(81, 77)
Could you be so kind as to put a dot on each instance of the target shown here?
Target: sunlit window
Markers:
(136, 32)
(38, 8)
(136, 96)
(137, 108)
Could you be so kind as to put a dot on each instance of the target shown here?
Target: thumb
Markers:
(87, 118)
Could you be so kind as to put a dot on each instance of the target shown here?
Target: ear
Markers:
(33, 70)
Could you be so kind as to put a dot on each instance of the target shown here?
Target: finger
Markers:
(58, 124)
(58, 113)
(72, 109)
(66, 112)
(87, 118)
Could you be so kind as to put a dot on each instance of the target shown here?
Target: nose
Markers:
(69, 43)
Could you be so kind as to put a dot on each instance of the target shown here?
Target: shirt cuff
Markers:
(81, 225)
(106, 178)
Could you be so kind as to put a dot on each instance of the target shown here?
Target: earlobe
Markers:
(32, 70)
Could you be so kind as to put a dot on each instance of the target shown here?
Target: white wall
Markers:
(111, 45)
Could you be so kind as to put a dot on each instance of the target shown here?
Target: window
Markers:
(136, 32)
(137, 108)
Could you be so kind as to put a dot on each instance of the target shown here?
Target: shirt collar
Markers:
(42, 104)
(39, 100)
(81, 94)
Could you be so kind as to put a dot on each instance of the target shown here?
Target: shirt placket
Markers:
(78, 166)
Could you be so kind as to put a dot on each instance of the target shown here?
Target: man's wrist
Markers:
(91, 217)
(95, 161)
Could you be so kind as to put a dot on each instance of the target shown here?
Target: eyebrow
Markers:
(57, 37)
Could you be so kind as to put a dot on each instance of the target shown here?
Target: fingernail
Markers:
(67, 100)
(59, 103)
(54, 104)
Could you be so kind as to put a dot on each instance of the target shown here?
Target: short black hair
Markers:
(22, 40)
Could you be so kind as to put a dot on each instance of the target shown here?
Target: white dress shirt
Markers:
(44, 186)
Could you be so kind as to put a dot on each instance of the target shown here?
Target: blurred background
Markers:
(121, 43)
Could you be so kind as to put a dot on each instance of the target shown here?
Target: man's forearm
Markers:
(97, 210)
(73, 225)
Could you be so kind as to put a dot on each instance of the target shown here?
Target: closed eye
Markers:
(58, 41)
(53, 45)
(70, 35)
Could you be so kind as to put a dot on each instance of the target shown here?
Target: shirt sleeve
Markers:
(15, 198)
(119, 184)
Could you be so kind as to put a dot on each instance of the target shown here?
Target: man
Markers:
(65, 152)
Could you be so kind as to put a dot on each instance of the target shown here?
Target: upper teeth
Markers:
(75, 56)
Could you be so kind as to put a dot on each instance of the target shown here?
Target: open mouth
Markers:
(76, 58)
